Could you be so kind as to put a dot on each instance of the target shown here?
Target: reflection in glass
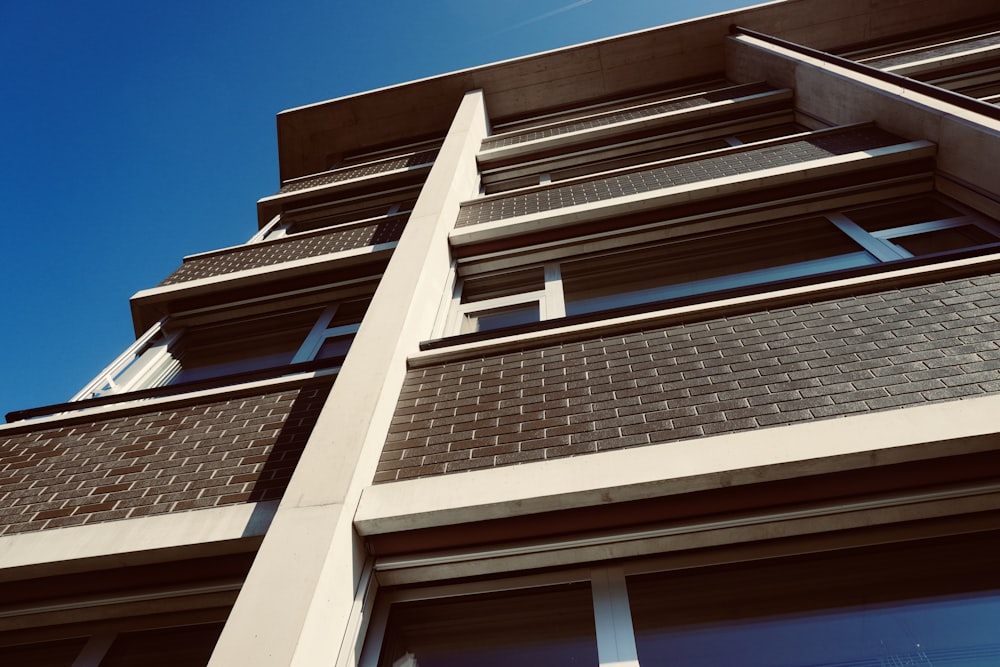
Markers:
(547, 627)
(886, 607)
(497, 318)
(696, 266)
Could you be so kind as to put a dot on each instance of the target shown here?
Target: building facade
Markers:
(679, 347)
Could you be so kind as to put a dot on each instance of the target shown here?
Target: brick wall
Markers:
(289, 249)
(844, 356)
(221, 453)
(683, 173)
(368, 169)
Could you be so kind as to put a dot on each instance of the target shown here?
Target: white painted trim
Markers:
(60, 547)
(744, 457)
(613, 618)
(671, 196)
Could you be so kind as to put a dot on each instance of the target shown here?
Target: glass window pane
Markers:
(503, 284)
(895, 607)
(552, 626)
(188, 646)
(498, 318)
(350, 312)
(335, 348)
(59, 653)
(706, 264)
(943, 240)
(901, 213)
(244, 345)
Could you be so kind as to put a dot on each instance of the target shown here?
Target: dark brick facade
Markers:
(844, 356)
(637, 112)
(169, 460)
(673, 174)
(368, 169)
(286, 250)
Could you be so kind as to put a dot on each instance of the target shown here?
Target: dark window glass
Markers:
(189, 646)
(503, 284)
(60, 653)
(901, 213)
(943, 240)
(877, 608)
(335, 347)
(245, 345)
(548, 627)
(498, 318)
(706, 264)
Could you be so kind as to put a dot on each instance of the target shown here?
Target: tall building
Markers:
(678, 347)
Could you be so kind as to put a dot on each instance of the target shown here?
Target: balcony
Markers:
(135, 458)
(360, 234)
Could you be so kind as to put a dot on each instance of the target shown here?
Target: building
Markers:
(677, 347)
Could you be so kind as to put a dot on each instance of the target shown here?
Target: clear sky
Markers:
(134, 133)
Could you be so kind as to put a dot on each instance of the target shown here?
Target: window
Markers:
(888, 605)
(327, 219)
(244, 349)
(550, 626)
(710, 263)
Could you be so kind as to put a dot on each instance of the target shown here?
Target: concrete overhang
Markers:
(308, 136)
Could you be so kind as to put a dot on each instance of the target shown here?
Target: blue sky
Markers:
(134, 133)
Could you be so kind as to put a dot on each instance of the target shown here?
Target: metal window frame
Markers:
(876, 244)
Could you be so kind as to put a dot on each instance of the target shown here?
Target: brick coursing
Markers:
(635, 113)
(683, 173)
(222, 453)
(838, 357)
(268, 254)
(368, 169)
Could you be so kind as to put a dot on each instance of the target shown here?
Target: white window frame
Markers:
(614, 632)
(874, 245)
(149, 362)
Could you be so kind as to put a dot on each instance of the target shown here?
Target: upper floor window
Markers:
(361, 212)
(710, 263)
(230, 351)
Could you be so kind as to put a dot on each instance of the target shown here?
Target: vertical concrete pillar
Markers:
(297, 606)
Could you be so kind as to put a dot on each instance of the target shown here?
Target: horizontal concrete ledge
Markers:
(205, 532)
(707, 112)
(680, 194)
(747, 457)
(149, 305)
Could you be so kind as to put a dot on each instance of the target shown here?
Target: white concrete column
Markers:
(968, 147)
(298, 604)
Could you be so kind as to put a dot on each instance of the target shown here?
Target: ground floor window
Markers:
(930, 603)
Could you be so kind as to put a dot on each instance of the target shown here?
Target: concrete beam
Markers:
(298, 604)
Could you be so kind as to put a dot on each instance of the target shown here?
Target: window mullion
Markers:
(882, 250)
(553, 305)
(94, 650)
(307, 351)
(613, 619)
